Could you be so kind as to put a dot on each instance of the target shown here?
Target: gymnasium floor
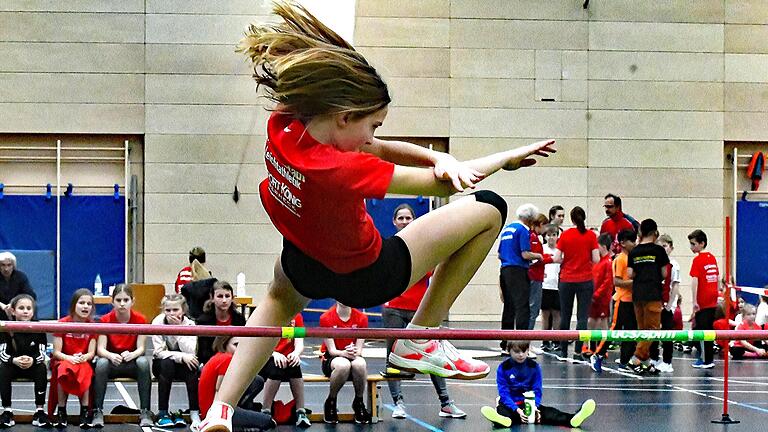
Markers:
(684, 401)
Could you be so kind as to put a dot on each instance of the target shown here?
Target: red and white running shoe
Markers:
(434, 357)
(218, 418)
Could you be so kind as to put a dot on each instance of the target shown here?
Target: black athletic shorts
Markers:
(325, 365)
(550, 299)
(271, 371)
(370, 286)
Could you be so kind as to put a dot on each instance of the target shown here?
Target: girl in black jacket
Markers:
(218, 310)
(22, 355)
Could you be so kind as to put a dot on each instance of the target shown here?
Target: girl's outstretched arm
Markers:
(450, 177)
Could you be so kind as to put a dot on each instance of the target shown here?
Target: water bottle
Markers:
(529, 406)
(241, 284)
(97, 285)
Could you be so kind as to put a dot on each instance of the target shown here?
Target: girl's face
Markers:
(741, 303)
(173, 310)
(222, 299)
(402, 218)
(351, 134)
(749, 317)
(232, 345)
(24, 310)
(559, 217)
(667, 247)
(537, 228)
(122, 302)
(83, 307)
(552, 239)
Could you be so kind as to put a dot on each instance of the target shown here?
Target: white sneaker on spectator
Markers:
(536, 350)
(399, 411)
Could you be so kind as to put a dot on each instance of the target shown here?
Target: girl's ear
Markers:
(342, 119)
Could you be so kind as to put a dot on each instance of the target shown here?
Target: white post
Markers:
(125, 211)
(58, 228)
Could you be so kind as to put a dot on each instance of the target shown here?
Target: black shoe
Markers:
(60, 421)
(639, 368)
(40, 419)
(84, 420)
(6, 419)
(330, 412)
(361, 414)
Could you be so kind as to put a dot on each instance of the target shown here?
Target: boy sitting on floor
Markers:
(517, 375)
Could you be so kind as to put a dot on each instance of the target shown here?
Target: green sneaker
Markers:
(491, 414)
(587, 409)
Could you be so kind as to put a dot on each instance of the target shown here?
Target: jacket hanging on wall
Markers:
(755, 169)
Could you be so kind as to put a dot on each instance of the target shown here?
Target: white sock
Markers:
(412, 326)
(194, 416)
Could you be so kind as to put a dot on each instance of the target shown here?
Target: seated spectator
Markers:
(721, 323)
(743, 348)
(12, 283)
(71, 370)
(245, 418)
(122, 355)
(198, 290)
(285, 365)
(175, 358)
(22, 355)
(342, 360)
(185, 275)
(220, 310)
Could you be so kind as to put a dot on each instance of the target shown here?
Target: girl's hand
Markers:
(280, 360)
(129, 356)
(173, 320)
(191, 361)
(521, 156)
(449, 169)
(293, 359)
(77, 358)
(115, 359)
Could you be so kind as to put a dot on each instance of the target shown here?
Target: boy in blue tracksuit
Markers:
(518, 375)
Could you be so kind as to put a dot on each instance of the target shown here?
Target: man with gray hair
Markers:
(515, 255)
(12, 283)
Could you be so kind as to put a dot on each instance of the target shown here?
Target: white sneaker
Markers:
(218, 418)
(399, 411)
(531, 354)
(665, 367)
(434, 357)
(536, 350)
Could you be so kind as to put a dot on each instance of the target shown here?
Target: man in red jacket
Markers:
(616, 221)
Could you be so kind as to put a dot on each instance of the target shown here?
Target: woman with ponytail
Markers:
(577, 251)
(322, 162)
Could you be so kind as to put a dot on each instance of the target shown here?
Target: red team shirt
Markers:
(602, 276)
(118, 343)
(213, 369)
(314, 194)
(286, 346)
(72, 343)
(411, 298)
(330, 318)
(704, 268)
(536, 270)
(577, 255)
(184, 277)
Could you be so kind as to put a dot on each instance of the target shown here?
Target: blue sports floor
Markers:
(686, 400)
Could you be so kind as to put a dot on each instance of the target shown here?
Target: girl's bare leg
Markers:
(456, 238)
(281, 304)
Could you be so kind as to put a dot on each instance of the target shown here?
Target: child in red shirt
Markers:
(71, 370)
(322, 162)
(245, 418)
(705, 278)
(599, 311)
(342, 360)
(122, 355)
(743, 348)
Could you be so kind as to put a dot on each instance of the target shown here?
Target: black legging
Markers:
(705, 320)
(516, 288)
(167, 371)
(582, 292)
(549, 415)
(37, 373)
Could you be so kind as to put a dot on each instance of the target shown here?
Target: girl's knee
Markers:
(102, 365)
(494, 199)
(142, 363)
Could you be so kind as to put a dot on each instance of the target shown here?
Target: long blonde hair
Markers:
(309, 70)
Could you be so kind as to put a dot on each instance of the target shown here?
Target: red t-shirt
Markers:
(577, 255)
(614, 226)
(73, 343)
(213, 369)
(286, 346)
(330, 318)
(721, 324)
(183, 278)
(536, 270)
(704, 268)
(602, 276)
(226, 322)
(315, 195)
(747, 327)
(118, 343)
(411, 298)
